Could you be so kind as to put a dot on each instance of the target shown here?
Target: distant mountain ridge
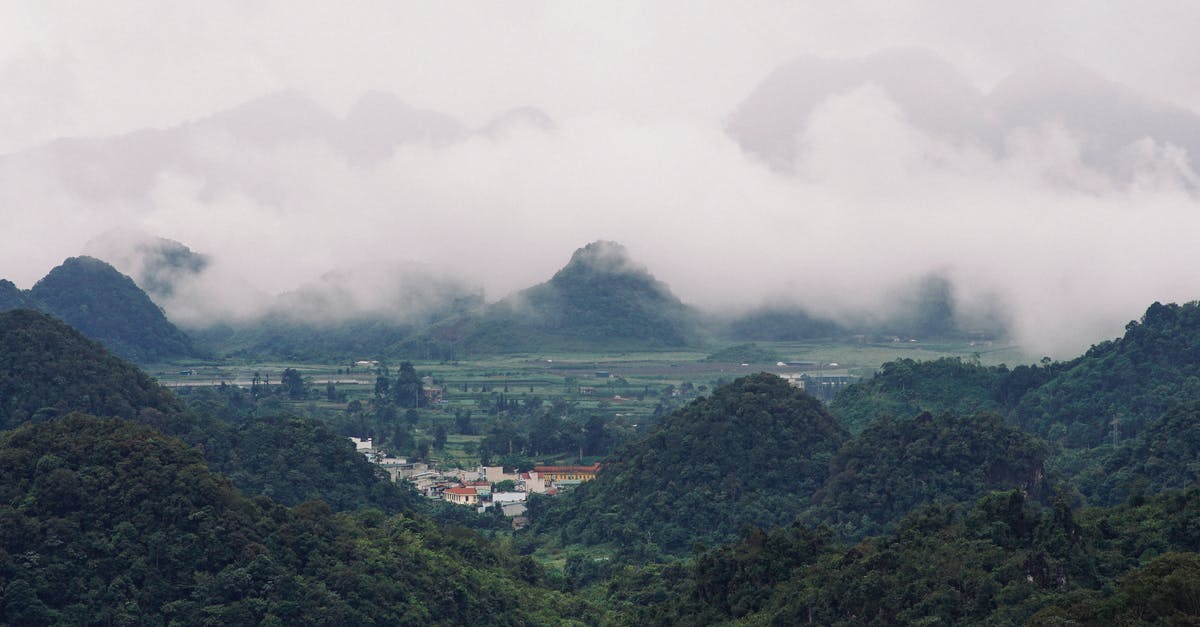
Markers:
(106, 306)
(600, 299)
(1113, 124)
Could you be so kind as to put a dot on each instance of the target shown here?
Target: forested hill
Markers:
(1164, 455)
(48, 369)
(897, 466)
(600, 299)
(1118, 386)
(109, 522)
(1109, 393)
(759, 452)
(904, 388)
(11, 297)
(108, 307)
(752, 453)
(1118, 418)
(1000, 561)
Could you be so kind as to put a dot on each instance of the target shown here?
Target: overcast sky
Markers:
(639, 94)
(72, 69)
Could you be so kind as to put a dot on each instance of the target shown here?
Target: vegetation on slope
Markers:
(904, 388)
(749, 353)
(108, 307)
(896, 466)
(1003, 560)
(11, 297)
(104, 521)
(1120, 385)
(775, 323)
(48, 369)
(751, 453)
(601, 298)
(1165, 455)
(1117, 418)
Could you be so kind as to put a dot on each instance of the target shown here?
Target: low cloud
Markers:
(1026, 227)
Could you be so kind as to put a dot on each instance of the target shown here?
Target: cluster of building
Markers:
(823, 386)
(477, 487)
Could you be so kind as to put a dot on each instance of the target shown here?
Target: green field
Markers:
(630, 384)
(551, 374)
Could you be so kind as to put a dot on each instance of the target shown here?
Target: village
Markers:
(483, 487)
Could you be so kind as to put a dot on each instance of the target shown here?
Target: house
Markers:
(496, 474)
(399, 468)
(567, 473)
(367, 448)
(504, 498)
(532, 482)
(433, 396)
(461, 496)
(795, 380)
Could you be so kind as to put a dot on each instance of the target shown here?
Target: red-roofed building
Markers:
(461, 496)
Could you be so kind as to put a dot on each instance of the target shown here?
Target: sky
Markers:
(1067, 227)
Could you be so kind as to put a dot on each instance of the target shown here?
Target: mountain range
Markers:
(601, 299)
(755, 503)
(248, 159)
(1112, 123)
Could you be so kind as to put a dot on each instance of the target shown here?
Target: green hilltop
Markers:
(48, 369)
(106, 306)
(120, 524)
(750, 454)
(601, 299)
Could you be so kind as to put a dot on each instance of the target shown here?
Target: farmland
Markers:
(628, 390)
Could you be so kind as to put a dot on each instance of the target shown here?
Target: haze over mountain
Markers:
(158, 265)
(1124, 136)
(889, 165)
(931, 93)
(601, 299)
(105, 305)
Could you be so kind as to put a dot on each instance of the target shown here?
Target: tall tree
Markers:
(408, 391)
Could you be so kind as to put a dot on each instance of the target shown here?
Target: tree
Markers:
(408, 391)
(293, 384)
(255, 384)
(439, 438)
(382, 384)
(594, 441)
(463, 421)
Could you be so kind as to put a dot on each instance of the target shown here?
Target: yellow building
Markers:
(462, 496)
(567, 473)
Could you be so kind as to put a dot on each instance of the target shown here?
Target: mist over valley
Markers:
(616, 314)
